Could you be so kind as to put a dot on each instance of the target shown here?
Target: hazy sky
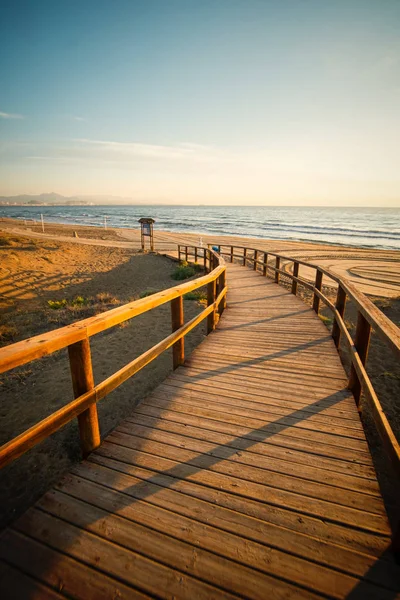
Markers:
(202, 101)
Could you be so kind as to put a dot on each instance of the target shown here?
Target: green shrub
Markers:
(79, 301)
(197, 295)
(183, 271)
(57, 304)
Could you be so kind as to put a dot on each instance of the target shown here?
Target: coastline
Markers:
(375, 271)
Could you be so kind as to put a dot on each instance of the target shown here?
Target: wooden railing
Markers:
(76, 337)
(368, 317)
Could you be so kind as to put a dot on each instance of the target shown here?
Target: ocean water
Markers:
(366, 227)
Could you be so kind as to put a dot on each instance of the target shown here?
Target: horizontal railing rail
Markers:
(368, 317)
(76, 338)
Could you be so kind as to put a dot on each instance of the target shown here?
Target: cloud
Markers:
(4, 115)
(75, 118)
(139, 150)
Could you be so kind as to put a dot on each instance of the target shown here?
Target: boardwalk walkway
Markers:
(245, 474)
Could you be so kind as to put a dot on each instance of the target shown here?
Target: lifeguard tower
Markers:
(146, 230)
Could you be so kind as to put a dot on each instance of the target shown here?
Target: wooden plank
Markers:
(15, 585)
(248, 454)
(281, 440)
(198, 431)
(116, 561)
(71, 578)
(205, 522)
(315, 412)
(211, 565)
(159, 487)
(144, 520)
(223, 476)
(304, 419)
(273, 426)
(246, 467)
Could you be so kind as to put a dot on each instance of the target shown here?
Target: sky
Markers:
(295, 102)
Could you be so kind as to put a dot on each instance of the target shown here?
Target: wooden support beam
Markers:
(265, 264)
(244, 256)
(277, 266)
(186, 253)
(340, 307)
(255, 259)
(195, 254)
(318, 286)
(232, 249)
(221, 285)
(82, 381)
(211, 295)
(296, 274)
(177, 320)
(361, 343)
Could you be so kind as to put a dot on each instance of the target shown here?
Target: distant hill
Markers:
(54, 198)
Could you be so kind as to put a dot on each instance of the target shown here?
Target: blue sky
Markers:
(210, 101)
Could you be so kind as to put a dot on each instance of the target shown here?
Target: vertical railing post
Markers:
(186, 253)
(179, 252)
(277, 266)
(231, 254)
(318, 286)
(361, 343)
(340, 306)
(211, 295)
(295, 274)
(177, 320)
(244, 256)
(205, 250)
(82, 381)
(255, 259)
(265, 264)
(222, 283)
(195, 254)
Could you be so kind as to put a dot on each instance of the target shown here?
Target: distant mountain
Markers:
(54, 198)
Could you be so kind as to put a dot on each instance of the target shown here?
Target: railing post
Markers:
(82, 381)
(222, 283)
(186, 253)
(255, 259)
(277, 266)
(211, 295)
(231, 254)
(205, 259)
(179, 252)
(195, 254)
(244, 256)
(340, 306)
(265, 264)
(318, 286)
(361, 343)
(295, 274)
(177, 320)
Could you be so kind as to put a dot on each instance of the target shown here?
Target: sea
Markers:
(362, 227)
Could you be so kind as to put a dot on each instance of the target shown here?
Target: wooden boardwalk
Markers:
(245, 474)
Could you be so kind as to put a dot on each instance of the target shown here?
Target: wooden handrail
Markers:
(369, 318)
(76, 338)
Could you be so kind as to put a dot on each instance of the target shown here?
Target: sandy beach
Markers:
(51, 279)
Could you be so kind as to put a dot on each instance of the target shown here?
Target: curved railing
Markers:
(368, 317)
(76, 337)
